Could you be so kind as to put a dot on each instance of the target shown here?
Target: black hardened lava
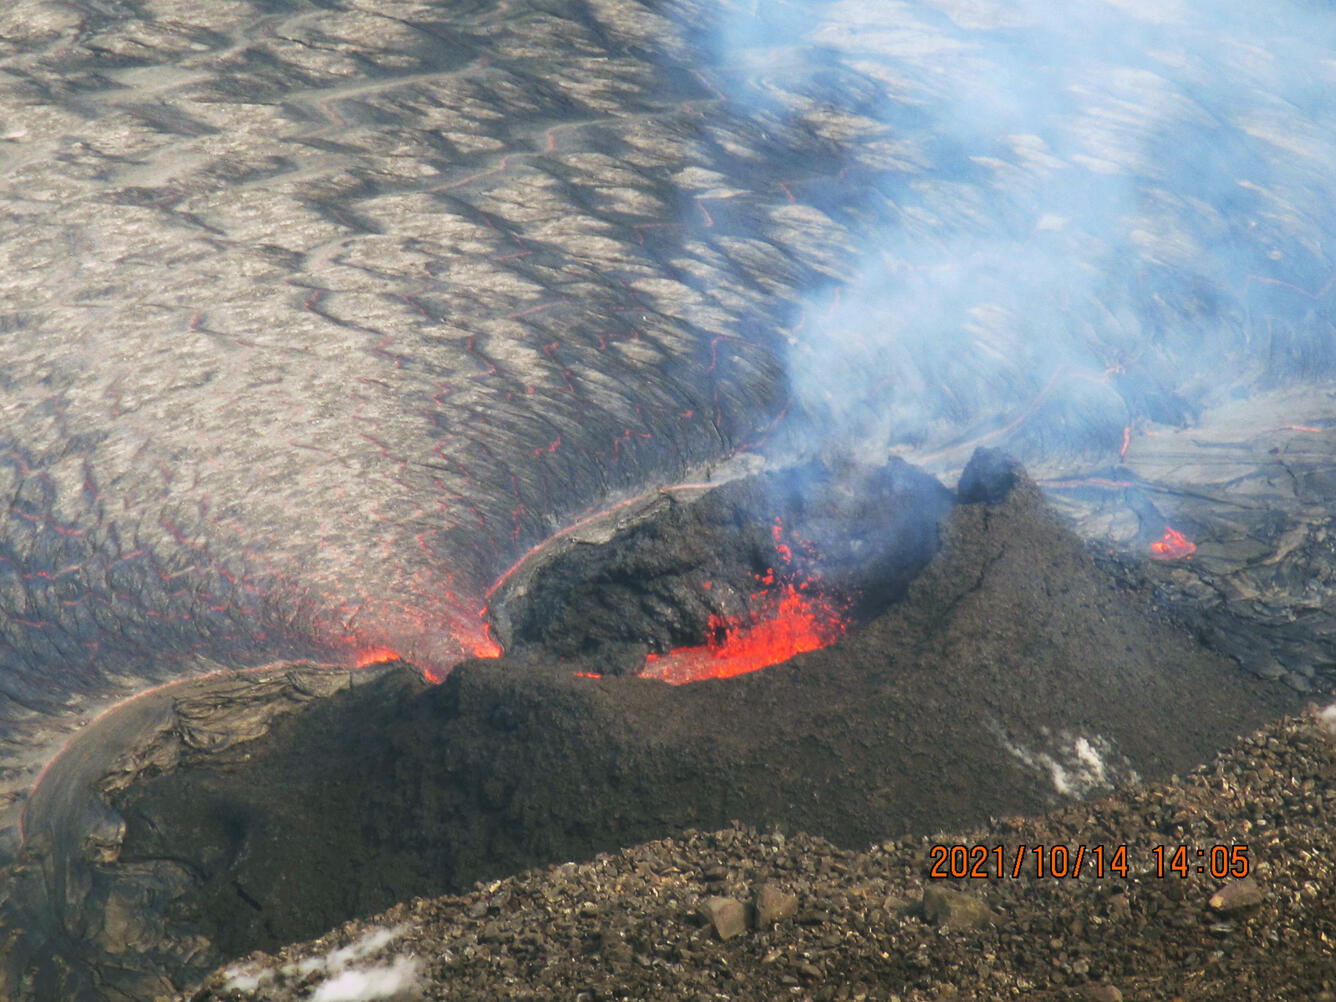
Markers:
(1008, 661)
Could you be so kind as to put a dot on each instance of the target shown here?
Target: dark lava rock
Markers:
(726, 916)
(1237, 895)
(773, 903)
(988, 478)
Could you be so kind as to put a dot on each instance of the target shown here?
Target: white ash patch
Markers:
(345, 980)
(247, 977)
(337, 960)
(1326, 718)
(1077, 765)
(382, 982)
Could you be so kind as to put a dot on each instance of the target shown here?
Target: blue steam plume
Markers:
(1085, 213)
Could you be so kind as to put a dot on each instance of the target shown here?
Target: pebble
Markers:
(1236, 895)
(773, 903)
(955, 909)
(726, 915)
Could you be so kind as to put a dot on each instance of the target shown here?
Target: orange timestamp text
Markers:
(1061, 861)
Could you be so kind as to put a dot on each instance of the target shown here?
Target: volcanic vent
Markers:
(714, 582)
(991, 666)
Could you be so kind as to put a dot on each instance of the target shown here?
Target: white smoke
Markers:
(1326, 718)
(1077, 766)
(357, 985)
(345, 978)
(1082, 214)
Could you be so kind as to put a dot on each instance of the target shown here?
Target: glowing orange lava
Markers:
(486, 647)
(375, 655)
(788, 624)
(1173, 546)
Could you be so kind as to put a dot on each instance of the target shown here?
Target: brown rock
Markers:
(954, 909)
(715, 874)
(1103, 993)
(774, 903)
(727, 915)
(1236, 895)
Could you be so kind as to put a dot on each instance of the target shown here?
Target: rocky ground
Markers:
(744, 914)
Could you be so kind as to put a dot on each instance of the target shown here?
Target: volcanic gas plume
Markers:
(1083, 222)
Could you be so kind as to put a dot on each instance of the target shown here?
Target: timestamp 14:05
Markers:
(1060, 861)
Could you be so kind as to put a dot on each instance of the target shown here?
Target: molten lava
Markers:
(786, 624)
(488, 648)
(1173, 546)
(375, 655)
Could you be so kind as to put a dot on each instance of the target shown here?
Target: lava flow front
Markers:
(786, 624)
